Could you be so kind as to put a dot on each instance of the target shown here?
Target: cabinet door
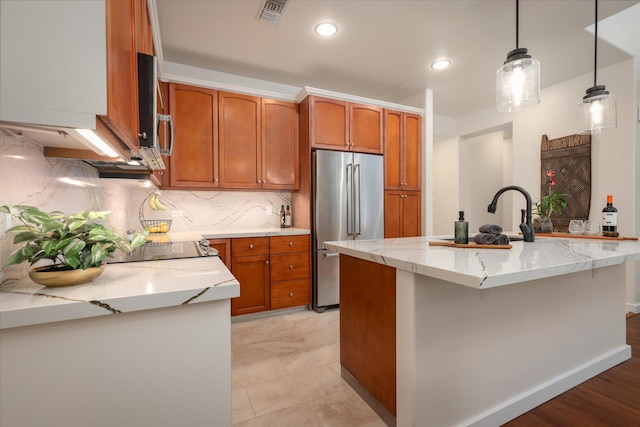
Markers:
(411, 218)
(280, 148)
(412, 151)
(289, 244)
(249, 246)
(223, 246)
(392, 150)
(329, 123)
(240, 148)
(290, 294)
(290, 267)
(392, 214)
(194, 162)
(253, 274)
(122, 72)
(144, 34)
(366, 128)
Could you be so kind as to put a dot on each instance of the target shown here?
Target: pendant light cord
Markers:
(517, 23)
(595, 49)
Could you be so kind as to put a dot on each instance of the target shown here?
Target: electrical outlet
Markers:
(269, 210)
(176, 214)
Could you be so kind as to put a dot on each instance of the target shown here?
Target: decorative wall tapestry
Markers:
(570, 158)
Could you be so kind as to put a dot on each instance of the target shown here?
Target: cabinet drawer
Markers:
(290, 294)
(289, 267)
(248, 246)
(289, 244)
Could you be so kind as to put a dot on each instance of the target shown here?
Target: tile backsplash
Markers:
(29, 178)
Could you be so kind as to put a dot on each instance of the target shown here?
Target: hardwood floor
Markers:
(612, 399)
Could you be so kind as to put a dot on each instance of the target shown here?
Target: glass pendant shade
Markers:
(518, 82)
(597, 111)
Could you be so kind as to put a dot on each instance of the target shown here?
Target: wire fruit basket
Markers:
(153, 226)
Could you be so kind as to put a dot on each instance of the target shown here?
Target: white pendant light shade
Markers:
(518, 82)
(597, 111)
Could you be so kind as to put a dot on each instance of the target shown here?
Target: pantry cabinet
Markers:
(194, 162)
(402, 214)
(402, 150)
(345, 126)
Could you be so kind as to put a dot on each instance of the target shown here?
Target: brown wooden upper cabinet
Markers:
(194, 162)
(122, 71)
(258, 143)
(402, 151)
(144, 32)
(345, 126)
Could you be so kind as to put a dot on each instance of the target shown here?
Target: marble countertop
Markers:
(228, 234)
(486, 268)
(121, 288)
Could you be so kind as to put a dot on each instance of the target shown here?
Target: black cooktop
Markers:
(153, 251)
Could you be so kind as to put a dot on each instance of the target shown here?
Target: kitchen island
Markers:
(145, 344)
(442, 336)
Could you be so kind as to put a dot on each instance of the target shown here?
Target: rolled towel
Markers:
(490, 228)
(502, 239)
(484, 238)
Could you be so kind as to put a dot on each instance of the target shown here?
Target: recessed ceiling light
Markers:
(326, 29)
(441, 64)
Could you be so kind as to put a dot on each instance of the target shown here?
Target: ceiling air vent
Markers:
(272, 10)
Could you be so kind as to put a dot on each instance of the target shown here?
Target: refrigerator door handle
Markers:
(357, 229)
(330, 254)
(349, 191)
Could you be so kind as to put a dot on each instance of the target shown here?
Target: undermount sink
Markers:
(511, 238)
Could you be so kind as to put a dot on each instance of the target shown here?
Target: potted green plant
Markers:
(552, 202)
(75, 244)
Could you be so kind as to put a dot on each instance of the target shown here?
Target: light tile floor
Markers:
(286, 372)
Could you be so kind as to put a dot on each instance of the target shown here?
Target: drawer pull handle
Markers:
(291, 267)
(290, 294)
(250, 246)
(291, 244)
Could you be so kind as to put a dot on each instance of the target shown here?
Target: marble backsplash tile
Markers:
(27, 177)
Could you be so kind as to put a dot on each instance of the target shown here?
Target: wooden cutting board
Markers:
(467, 245)
(583, 236)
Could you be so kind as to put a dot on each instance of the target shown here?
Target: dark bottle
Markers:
(461, 230)
(609, 218)
(282, 216)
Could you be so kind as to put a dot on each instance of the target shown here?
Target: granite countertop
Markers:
(486, 268)
(122, 288)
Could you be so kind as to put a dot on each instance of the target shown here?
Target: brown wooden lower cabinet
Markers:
(368, 327)
(274, 272)
(223, 246)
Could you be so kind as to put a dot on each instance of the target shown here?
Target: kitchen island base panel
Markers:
(477, 358)
(161, 367)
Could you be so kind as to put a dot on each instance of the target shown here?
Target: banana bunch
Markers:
(162, 227)
(154, 203)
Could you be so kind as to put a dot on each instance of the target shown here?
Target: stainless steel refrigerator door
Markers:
(369, 196)
(331, 177)
(327, 278)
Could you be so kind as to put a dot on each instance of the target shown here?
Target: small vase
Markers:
(543, 225)
(59, 278)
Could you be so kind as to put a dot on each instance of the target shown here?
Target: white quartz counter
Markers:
(121, 288)
(228, 234)
(487, 268)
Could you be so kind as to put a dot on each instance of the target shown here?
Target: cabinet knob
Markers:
(267, 262)
(250, 246)
(215, 180)
(291, 267)
(290, 294)
(291, 244)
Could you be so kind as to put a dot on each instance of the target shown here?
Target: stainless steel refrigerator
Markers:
(348, 204)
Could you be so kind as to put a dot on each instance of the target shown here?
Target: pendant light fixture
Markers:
(518, 80)
(598, 108)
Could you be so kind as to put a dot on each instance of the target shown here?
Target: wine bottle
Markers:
(287, 218)
(610, 218)
(282, 216)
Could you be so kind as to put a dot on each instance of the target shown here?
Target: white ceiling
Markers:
(383, 49)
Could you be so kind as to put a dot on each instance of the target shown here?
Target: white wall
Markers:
(614, 153)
